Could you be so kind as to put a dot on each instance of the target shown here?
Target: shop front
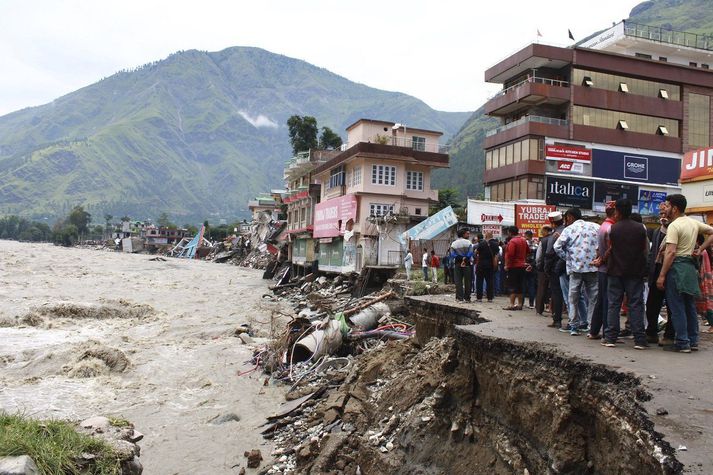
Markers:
(697, 183)
(333, 228)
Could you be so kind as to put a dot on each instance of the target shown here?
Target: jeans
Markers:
(683, 314)
(582, 307)
(543, 284)
(633, 287)
(425, 273)
(531, 287)
(434, 274)
(599, 319)
(463, 277)
(654, 303)
(580, 282)
(484, 276)
(556, 299)
(499, 284)
(408, 272)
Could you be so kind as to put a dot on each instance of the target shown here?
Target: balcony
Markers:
(530, 92)
(528, 125)
(304, 162)
(405, 142)
(666, 36)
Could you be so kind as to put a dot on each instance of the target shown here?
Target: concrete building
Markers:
(266, 206)
(377, 187)
(609, 118)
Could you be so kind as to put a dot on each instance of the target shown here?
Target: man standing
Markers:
(543, 283)
(435, 264)
(408, 263)
(462, 255)
(601, 310)
(578, 246)
(530, 271)
(654, 301)
(446, 261)
(554, 266)
(626, 268)
(515, 263)
(487, 254)
(424, 264)
(679, 276)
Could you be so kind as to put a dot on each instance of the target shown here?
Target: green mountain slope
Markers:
(195, 135)
(467, 157)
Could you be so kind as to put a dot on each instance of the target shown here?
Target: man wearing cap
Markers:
(599, 319)
(553, 267)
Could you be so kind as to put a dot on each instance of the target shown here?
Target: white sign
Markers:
(708, 193)
(496, 229)
(487, 212)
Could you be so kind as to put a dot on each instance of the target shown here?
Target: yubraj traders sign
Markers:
(697, 166)
(532, 217)
(331, 216)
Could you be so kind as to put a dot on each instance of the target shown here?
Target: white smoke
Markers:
(259, 120)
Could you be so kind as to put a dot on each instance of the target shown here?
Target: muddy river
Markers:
(86, 332)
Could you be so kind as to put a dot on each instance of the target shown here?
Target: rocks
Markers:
(230, 417)
(21, 465)
(98, 423)
(254, 458)
(246, 339)
(661, 411)
(121, 436)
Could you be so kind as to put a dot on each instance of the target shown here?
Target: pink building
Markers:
(376, 188)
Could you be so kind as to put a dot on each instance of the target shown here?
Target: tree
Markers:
(303, 133)
(329, 140)
(449, 197)
(80, 218)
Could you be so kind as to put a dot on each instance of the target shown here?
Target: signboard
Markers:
(472, 228)
(562, 152)
(604, 192)
(708, 193)
(431, 226)
(331, 216)
(649, 202)
(496, 229)
(532, 217)
(568, 192)
(488, 212)
(697, 165)
(639, 168)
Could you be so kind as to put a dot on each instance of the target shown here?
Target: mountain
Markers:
(195, 135)
(467, 157)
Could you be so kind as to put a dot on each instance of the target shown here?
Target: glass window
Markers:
(517, 152)
(488, 160)
(356, 176)
(523, 188)
(525, 150)
(419, 143)
(414, 181)
(610, 119)
(379, 209)
(508, 154)
(515, 190)
(699, 120)
(508, 191)
(612, 82)
(383, 175)
(336, 177)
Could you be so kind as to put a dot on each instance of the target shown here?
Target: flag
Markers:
(571, 36)
(538, 33)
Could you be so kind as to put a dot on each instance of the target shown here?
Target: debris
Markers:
(661, 411)
(230, 417)
(254, 458)
(246, 339)
(682, 448)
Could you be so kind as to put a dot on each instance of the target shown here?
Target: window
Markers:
(612, 82)
(623, 87)
(705, 66)
(663, 59)
(663, 93)
(356, 176)
(336, 177)
(643, 55)
(378, 209)
(623, 120)
(414, 181)
(419, 143)
(622, 125)
(587, 81)
(693, 64)
(383, 175)
(699, 120)
(661, 130)
(417, 211)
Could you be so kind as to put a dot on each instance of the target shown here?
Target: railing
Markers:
(536, 80)
(524, 120)
(421, 146)
(673, 37)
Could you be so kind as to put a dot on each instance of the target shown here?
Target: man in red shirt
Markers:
(515, 264)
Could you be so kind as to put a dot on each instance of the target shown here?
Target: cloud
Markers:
(259, 120)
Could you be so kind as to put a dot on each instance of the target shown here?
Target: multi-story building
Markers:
(301, 197)
(608, 118)
(377, 187)
(266, 206)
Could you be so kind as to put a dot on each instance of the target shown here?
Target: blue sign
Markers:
(649, 202)
(431, 227)
(635, 167)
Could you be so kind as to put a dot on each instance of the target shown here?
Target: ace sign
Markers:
(532, 217)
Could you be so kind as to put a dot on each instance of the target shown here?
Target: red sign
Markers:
(491, 217)
(331, 216)
(697, 166)
(564, 166)
(532, 217)
(559, 152)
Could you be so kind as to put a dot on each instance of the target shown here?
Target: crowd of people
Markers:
(596, 273)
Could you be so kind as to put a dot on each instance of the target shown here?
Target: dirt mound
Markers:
(95, 359)
(474, 405)
(114, 309)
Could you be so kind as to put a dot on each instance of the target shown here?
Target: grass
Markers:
(55, 446)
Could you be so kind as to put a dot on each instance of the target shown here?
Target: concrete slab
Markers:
(682, 384)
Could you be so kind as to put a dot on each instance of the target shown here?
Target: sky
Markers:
(434, 50)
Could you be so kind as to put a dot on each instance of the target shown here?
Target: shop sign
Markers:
(562, 152)
(697, 165)
(640, 168)
(708, 193)
(532, 217)
(649, 202)
(331, 216)
(604, 192)
(496, 229)
(487, 212)
(568, 192)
